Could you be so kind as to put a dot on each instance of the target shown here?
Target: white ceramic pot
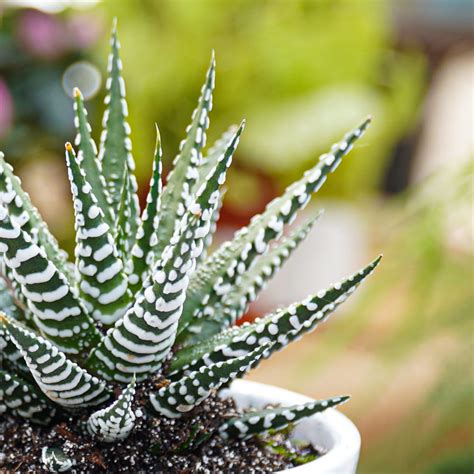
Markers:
(330, 431)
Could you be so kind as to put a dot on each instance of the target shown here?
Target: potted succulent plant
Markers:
(122, 361)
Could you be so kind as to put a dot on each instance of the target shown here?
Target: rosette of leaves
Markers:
(143, 297)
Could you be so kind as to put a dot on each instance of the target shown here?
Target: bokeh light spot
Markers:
(83, 75)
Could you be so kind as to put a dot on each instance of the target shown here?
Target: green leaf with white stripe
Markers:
(87, 157)
(103, 283)
(54, 460)
(251, 283)
(115, 422)
(182, 396)
(142, 257)
(222, 271)
(178, 192)
(263, 269)
(115, 151)
(142, 339)
(208, 162)
(274, 419)
(20, 398)
(123, 228)
(23, 213)
(58, 313)
(214, 153)
(14, 291)
(7, 304)
(10, 356)
(281, 327)
(61, 380)
(127, 225)
(210, 236)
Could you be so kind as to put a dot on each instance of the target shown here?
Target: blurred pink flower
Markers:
(42, 35)
(85, 29)
(48, 37)
(6, 108)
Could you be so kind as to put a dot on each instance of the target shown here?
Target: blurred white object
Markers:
(51, 6)
(448, 135)
(83, 75)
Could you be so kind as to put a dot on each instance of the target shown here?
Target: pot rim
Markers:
(342, 439)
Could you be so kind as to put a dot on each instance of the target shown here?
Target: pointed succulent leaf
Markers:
(250, 285)
(182, 396)
(123, 240)
(214, 153)
(61, 380)
(178, 193)
(21, 399)
(87, 157)
(215, 278)
(263, 270)
(10, 356)
(7, 305)
(262, 421)
(54, 460)
(142, 257)
(103, 284)
(209, 161)
(281, 327)
(23, 213)
(18, 298)
(115, 151)
(115, 422)
(141, 340)
(57, 311)
(207, 196)
(127, 225)
(210, 236)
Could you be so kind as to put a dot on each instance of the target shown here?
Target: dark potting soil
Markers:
(157, 444)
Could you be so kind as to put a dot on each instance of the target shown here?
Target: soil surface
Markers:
(157, 444)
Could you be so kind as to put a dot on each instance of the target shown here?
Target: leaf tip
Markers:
(158, 134)
(373, 265)
(77, 93)
(366, 123)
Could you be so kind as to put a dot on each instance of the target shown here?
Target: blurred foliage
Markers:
(437, 268)
(35, 49)
(404, 349)
(301, 72)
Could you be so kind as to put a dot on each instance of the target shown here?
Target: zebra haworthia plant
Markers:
(142, 290)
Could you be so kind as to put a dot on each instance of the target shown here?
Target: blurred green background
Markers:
(302, 73)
